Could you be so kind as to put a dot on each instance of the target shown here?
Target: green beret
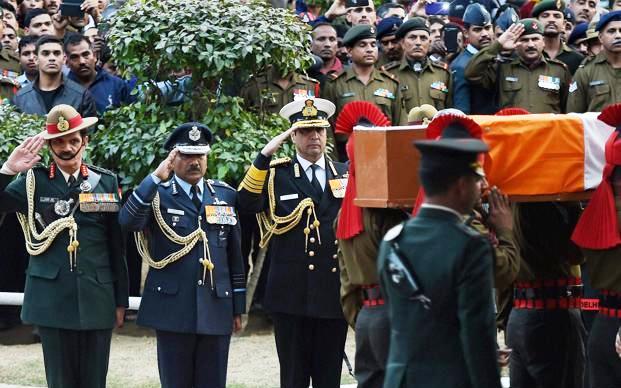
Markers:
(548, 5)
(416, 23)
(531, 26)
(356, 33)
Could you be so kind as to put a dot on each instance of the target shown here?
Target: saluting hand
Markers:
(274, 144)
(25, 155)
(166, 167)
(508, 39)
(500, 213)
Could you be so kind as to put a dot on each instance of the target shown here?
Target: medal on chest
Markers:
(220, 215)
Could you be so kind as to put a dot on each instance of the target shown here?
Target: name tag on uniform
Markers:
(220, 215)
(175, 211)
(439, 85)
(48, 200)
(289, 196)
(511, 79)
(549, 82)
(338, 187)
(597, 82)
(347, 94)
(381, 92)
(99, 202)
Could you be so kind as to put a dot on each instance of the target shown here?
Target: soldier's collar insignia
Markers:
(309, 109)
(63, 124)
(195, 133)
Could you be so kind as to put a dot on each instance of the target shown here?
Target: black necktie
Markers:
(194, 195)
(71, 180)
(315, 181)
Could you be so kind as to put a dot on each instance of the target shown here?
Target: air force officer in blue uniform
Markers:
(187, 230)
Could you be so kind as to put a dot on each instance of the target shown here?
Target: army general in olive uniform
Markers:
(529, 80)
(597, 82)
(76, 283)
(362, 81)
(421, 80)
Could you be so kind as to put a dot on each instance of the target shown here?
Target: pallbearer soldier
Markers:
(598, 234)
(360, 232)
(436, 274)
(76, 281)
(188, 231)
(297, 200)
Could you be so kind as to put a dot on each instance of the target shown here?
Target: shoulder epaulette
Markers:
(100, 170)
(439, 64)
(307, 78)
(588, 59)
(280, 162)
(390, 66)
(216, 182)
(334, 76)
(389, 75)
(557, 62)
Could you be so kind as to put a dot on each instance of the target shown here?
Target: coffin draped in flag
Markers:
(532, 157)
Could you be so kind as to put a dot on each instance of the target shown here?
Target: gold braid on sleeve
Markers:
(37, 243)
(271, 224)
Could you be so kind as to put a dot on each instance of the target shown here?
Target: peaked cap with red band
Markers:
(354, 113)
(63, 120)
(436, 129)
(598, 227)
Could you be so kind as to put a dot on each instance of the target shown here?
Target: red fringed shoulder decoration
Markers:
(598, 227)
(611, 115)
(353, 111)
(441, 121)
(512, 112)
(350, 220)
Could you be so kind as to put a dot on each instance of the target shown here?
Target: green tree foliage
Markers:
(132, 138)
(15, 128)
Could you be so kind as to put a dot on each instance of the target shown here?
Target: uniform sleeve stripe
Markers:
(253, 185)
(256, 174)
(243, 186)
(138, 199)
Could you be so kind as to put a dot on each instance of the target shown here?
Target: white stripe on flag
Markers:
(595, 135)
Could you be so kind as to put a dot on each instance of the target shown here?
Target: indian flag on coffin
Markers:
(533, 157)
(544, 154)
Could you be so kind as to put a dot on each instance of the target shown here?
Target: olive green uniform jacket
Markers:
(358, 257)
(382, 90)
(55, 296)
(432, 85)
(595, 85)
(453, 343)
(541, 89)
(262, 93)
(9, 71)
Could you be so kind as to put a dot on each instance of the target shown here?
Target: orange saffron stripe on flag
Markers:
(534, 154)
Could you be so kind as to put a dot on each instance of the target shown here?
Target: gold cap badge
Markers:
(63, 124)
(309, 109)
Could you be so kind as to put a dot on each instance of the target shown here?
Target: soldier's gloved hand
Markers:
(500, 212)
(24, 156)
(508, 39)
(166, 167)
(274, 144)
